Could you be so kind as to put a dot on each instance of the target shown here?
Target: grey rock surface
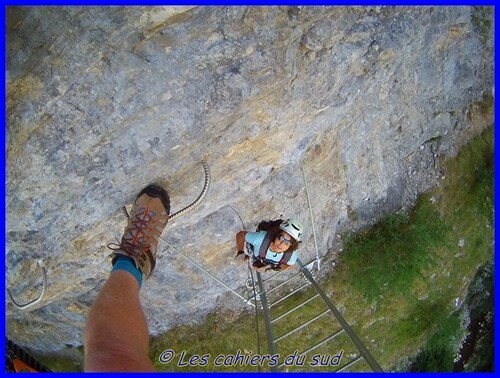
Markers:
(104, 100)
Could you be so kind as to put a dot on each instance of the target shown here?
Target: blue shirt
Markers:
(256, 239)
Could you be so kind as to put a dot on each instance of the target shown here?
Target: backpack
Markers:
(271, 226)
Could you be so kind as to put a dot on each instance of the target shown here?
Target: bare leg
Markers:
(116, 334)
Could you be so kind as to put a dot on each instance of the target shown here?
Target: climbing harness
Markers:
(39, 297)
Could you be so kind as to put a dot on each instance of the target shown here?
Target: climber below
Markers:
(273, 246)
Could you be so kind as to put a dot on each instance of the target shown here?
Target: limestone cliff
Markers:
(104, 100)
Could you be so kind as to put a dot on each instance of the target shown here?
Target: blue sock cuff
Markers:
(127, 264)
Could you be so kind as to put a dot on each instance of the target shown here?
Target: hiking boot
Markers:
(146, 222)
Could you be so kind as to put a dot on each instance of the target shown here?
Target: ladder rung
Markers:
(295, 308)
(349, 364)
(289, 295)
(281, 271)
(302, 326)
(273, 275)
(278, 286)
(332, 336)
(283, 283)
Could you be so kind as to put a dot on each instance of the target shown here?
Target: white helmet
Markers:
(293, 228)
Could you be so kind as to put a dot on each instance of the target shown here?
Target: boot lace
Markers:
(137, 233)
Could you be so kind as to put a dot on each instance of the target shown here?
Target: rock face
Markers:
(104, 100)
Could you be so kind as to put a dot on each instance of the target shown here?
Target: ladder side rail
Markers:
(350, 332)
(271, 345)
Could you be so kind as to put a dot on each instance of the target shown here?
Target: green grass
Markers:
(396, 282)
(395, 252)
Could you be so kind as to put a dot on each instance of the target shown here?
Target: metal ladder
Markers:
(343, 329)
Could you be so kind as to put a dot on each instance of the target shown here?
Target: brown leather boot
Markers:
(146, 222)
